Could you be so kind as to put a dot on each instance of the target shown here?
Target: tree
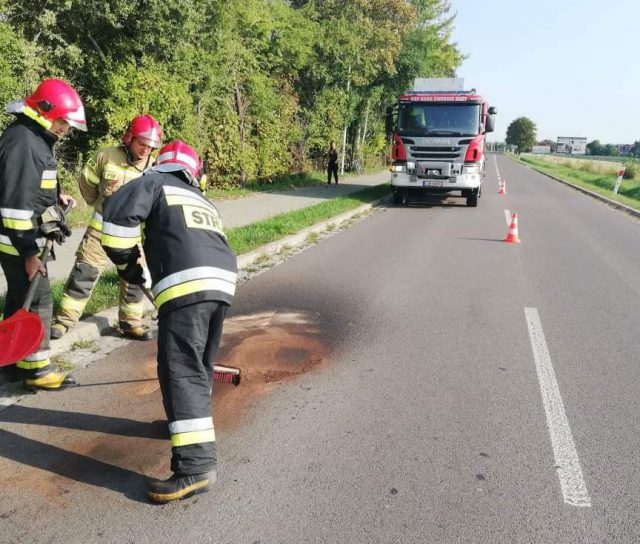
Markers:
(550, 143)
(611, 150)
(595, 148)
(522, 133)
(635, 149)
(258, 87)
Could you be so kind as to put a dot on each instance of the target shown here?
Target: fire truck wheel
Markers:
(472, 199)
(397, 198)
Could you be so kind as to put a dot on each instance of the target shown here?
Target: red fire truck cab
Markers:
(437, 134)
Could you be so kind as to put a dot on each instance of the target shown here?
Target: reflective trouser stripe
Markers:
(71, 304)
(39, 359)
(132, 309)
(194, 437)
(190, 425)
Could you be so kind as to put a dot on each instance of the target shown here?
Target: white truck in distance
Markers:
(438, 139)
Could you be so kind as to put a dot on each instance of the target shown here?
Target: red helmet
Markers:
(56, 99)
(179, 156)
(146, 129)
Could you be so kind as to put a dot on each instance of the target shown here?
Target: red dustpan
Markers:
(22, 333)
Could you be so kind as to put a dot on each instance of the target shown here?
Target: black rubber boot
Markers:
(180, 487)
(135, 333)
(58, 330)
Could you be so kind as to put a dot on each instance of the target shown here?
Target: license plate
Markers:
(431, 172)
(432, 183)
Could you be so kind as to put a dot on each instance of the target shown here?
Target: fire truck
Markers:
(437, 134)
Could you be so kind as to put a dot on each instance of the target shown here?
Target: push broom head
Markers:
(225, 377)
(226, 374)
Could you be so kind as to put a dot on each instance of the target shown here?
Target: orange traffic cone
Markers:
(512, 236)
(503, 188)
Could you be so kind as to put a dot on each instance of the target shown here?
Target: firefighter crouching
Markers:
(193, 273)
(28, 192)
(112, 168)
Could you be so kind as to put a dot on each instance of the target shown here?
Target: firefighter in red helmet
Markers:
(111, 169)
(193, 273)
(29, 191)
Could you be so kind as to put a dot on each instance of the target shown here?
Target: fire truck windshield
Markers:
(429, 119)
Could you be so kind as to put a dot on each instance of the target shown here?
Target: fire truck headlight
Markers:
(399, 168)
(471, 169)
(411, 166)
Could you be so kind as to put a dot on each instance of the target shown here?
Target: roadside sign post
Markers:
(619, 180)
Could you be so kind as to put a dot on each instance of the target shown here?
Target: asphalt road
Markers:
(410, 380)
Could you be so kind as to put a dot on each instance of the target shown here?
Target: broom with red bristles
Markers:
(226, 374)
(221, 373)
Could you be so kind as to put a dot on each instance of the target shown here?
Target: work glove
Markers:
(54, 224)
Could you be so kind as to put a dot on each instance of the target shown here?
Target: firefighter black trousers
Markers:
(17, 287)
(188, 340)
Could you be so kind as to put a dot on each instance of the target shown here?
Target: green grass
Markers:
(241, 239)
(629, 193)
(247, 238)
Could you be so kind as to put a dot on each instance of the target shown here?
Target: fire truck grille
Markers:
(449, 153)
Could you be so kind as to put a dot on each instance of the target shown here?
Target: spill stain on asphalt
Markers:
(271, 348)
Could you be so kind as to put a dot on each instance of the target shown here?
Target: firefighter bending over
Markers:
(112, 168)
(193, 273)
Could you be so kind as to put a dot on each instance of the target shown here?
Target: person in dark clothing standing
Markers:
(332, 167)
(193, 274)
(28, 191)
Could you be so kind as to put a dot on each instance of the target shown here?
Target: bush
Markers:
(631, 170)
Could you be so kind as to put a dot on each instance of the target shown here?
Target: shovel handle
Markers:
(36, 279)
(147, 292)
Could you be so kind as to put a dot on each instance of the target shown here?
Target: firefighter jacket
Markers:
(185, 247)
(28, 185)
(104, 175)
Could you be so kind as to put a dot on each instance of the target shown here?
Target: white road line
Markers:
(574, 490)
(495, 161)
(507, 217)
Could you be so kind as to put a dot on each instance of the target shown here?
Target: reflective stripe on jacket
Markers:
(184, 244)
(28, 185)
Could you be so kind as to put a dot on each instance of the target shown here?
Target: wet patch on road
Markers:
(270, 348)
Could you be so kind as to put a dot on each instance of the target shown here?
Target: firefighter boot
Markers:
(53, 381)
(58, 330)
(180, 487)
(137, 332)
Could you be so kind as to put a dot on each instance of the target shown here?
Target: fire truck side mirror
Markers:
(493, 110)
(388, 122)
(490, 123)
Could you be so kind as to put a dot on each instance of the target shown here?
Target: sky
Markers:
(572, 67)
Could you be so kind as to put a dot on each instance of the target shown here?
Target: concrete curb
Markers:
(93, 327)
(613, 203)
